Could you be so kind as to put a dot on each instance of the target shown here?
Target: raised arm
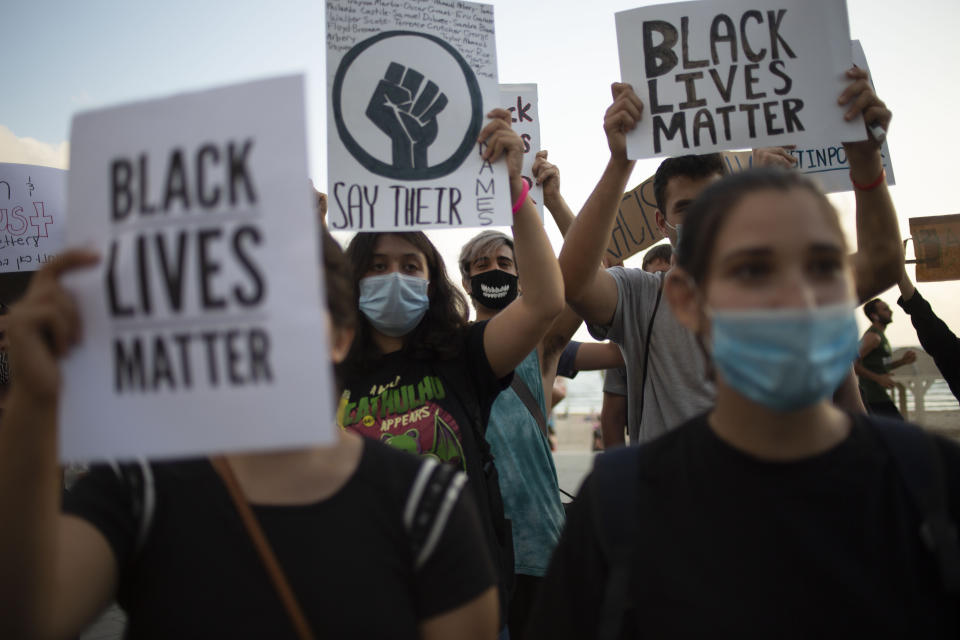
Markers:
(565, 325)
(57, 571)
(547, 175)
(517, 330)
(590, 356)
(879, 257)
(591, 291)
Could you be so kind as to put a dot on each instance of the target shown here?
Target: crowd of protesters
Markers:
(757, 498)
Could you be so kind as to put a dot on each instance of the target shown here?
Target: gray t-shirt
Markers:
(615, 380)
(677, 388)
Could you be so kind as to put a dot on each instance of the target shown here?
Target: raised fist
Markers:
(408, 118)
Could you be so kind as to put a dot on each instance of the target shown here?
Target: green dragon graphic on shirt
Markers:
(446, 446)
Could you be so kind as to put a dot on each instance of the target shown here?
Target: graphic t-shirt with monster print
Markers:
(434, 408)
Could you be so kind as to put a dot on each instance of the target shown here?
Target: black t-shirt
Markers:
(731, 546)
(348, 558)
(434, 408)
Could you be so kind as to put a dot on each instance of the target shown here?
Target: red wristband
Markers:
(873, 185)
(523, 196)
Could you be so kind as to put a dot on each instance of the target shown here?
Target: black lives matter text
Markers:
(181, 243)
(743, 52)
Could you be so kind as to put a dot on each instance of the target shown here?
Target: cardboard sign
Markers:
(409, 91)
(31, 215)
(736, 74)
(202, 322)
(521, 101)
(936, 240)
(635, 227)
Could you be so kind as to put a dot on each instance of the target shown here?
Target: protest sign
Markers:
(827, 165)
(409, 90)
(31, 215)
(202, 321)
(635, 227)
(936, 240)
(734, 74)
(521, 101)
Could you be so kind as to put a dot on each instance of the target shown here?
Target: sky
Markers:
(65, 57)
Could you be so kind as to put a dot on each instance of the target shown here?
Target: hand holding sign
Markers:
(43, 326)
(621, 117)
(547, 175)
(860, 99)
(499, 139)
(412, 126)
(774, 157)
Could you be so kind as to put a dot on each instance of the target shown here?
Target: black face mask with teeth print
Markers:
(494, 289)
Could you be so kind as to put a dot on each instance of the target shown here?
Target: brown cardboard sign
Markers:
(635, 227)
(936, 240)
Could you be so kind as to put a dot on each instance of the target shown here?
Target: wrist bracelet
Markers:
(523, 196)
(873, 185)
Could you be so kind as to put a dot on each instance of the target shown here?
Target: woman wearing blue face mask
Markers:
(420, 378)
(775, 514)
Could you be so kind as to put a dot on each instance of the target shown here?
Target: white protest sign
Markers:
(31, 215)
(826, 165)
(732, 74)
(410, 88)
(521, 101)
(202, 322)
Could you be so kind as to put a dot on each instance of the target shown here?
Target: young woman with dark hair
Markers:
(336, 519)
(775, 514)
(422, 379)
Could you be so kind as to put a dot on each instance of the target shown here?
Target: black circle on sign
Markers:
(382, 168)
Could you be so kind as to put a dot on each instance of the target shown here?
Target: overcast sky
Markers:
(61, 57)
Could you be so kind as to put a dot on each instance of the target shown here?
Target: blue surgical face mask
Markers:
(394, 303)
(785, 359)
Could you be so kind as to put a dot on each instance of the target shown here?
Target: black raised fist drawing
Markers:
(408, 118)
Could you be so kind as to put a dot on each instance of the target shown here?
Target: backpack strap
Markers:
(432, 496)
(920, 465)
(530, 402)
(617, 521)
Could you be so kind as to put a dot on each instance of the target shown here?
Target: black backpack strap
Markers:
(920, 465)
(432, 496)
(530, 402)
(617, 522)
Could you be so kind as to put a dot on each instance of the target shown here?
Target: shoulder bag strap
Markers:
(529, 401)
(274, 570)
(646, 348)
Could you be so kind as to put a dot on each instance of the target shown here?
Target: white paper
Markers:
(202, 322)
(777, 86)
(410, 85)
(31, 215)
(521, 101)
